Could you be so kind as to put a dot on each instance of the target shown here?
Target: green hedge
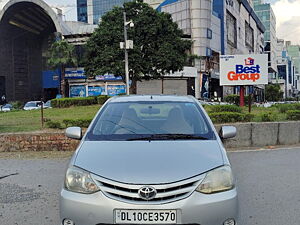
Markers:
(77, 123)
(225, 108)
(283, 108)
(293, 114)
(230, 117)
(80, 101)
(268, 117)
(54, 124)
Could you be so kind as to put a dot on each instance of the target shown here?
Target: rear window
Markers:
(127, 120)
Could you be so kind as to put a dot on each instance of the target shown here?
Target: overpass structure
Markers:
(27, 28)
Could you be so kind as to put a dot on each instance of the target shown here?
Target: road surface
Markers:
(268, 186)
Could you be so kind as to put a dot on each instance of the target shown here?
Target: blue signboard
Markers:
(77, 91)
(51, 79)
(96, 90)
(113, 90)
(75, 73)
(108, 77)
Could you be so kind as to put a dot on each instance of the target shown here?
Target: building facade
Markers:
(285, 67)
(91, 11)
(217, 27)
(267, 16)
(294, 53)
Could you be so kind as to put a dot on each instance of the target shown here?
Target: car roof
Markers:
(136, 98)
(33, 102)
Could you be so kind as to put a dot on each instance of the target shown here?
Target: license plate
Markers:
(145, 216)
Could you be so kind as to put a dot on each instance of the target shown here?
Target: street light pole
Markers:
(126, 55)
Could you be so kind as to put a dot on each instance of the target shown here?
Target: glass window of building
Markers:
(100, 7)
(82, 11)
(249, 36)
(231, 29)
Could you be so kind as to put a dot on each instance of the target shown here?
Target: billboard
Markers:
(243, 69)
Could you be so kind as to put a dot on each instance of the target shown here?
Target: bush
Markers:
(235, 99)
(225, 108)
(17, 105)
(230, 117)
(268, 117)
(283, 108)
(293, 115)
(77, 123)
(54, 124)
(102, 99)
(67, 102)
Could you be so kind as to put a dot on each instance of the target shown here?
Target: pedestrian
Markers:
(3, 99)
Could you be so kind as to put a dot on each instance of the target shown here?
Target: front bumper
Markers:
(198, 208)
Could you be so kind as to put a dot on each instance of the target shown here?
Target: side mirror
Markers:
(74, 133)
(227, 132)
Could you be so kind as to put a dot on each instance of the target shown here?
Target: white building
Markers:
(285, 68)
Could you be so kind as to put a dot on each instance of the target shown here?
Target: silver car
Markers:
(150, 160)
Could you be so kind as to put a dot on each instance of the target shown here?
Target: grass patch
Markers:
(22, 121)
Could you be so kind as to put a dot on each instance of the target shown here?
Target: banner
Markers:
(77, 91)
(113, 90)
(243, 69)
(96, 90)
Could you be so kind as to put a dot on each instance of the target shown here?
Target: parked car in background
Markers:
(6, 108)
(32, 105)
(47, 104)
(150, 160)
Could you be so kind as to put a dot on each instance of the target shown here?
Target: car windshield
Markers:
(30, 104)
(48, 103)
(150, 120)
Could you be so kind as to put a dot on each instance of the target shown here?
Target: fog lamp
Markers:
(68, 222)
(229, 222)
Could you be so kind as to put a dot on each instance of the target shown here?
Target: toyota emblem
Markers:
(147, 193)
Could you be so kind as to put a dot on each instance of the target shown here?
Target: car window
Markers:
(30, 104)
(120, 121)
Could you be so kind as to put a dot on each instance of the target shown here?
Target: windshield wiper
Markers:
(169, 137)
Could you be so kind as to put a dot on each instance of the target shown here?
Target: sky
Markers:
(287, 14)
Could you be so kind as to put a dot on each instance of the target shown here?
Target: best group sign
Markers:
(243, 69)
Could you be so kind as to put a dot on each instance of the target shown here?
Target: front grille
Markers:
(165, 192)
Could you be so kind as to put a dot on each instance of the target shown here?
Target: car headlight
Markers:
(78, 180)
(217, 180)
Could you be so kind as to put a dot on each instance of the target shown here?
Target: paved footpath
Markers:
(268, 185)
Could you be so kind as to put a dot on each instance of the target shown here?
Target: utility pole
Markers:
(126, 55)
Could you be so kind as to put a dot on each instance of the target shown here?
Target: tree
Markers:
(158, 44)
(273, 92)
(60, 55)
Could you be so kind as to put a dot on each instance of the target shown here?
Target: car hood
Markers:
(144, 162)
